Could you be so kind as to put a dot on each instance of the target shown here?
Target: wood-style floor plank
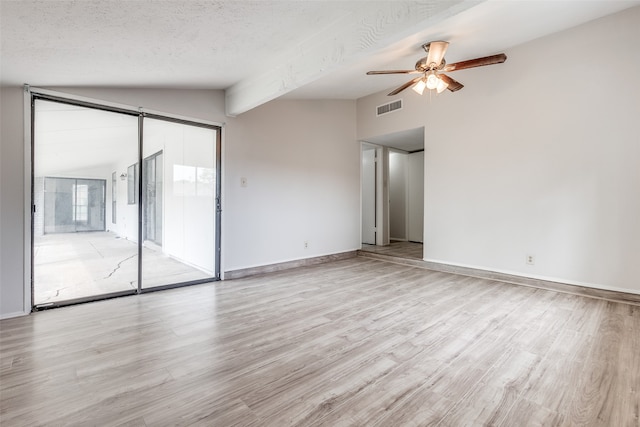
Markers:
(353, 342)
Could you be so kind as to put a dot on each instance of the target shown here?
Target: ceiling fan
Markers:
(433, 66)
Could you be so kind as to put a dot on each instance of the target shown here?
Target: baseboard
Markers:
(11, 315)
(605, 294)
(270, 268)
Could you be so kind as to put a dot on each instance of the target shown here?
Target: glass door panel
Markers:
(90, 204)
(58, 205)
(178, 199)
(72, 205)
(80, 249)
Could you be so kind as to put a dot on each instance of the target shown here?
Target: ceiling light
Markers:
(442, 85)
(432, 80)
(419, 87)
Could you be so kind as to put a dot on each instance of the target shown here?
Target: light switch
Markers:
(243, 182)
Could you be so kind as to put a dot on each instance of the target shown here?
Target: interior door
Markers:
(369, 196)
(416, 196)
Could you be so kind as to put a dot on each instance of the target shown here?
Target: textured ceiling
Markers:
(260, 50)
(186, 44)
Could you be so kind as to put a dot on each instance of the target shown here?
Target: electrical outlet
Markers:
(306, 244)
(531, 260)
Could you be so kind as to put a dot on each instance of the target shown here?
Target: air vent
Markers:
(388, 108)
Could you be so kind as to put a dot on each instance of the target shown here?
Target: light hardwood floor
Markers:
(354, 342)
(411, 250)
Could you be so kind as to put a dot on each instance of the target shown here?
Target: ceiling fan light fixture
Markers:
(442, 85)
(432, 81)
(431, 67)
(419, 87)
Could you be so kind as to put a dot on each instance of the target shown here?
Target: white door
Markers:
(369, 196)
(416, 196)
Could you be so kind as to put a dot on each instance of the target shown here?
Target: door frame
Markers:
(364, 147)
(381, 192)
(30, 96)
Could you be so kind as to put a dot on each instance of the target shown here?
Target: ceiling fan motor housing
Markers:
(423, 66)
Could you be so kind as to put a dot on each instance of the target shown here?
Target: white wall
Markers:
(415, 196)
(301, 163)
(11, 202)
(383, 236)
(539, 155)
(126, 225)
(301, 160)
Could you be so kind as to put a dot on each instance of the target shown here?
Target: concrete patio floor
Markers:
(76, 265)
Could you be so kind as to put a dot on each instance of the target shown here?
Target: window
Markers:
(80, 201)
(193, 181)
(132, 184)
(114, 194)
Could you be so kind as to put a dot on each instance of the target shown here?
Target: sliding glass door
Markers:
(123, 202)
(179, 209)
(72, 205)
(80, 248)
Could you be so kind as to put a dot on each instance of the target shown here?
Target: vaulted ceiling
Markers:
(260, 50)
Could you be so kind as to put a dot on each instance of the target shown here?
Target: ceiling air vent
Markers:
(388, 108)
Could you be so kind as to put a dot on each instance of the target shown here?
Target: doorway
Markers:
(399, 212)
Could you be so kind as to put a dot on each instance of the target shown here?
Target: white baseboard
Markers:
(588, 290)
(270, 268)
(11, 315)
(518, 274)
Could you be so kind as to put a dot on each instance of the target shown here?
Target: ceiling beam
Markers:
(365, 30)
